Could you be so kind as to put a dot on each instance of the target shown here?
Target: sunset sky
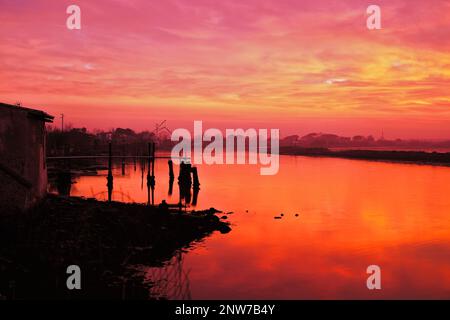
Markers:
(298, 65)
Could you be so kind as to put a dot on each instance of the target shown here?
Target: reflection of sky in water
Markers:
(351, 214)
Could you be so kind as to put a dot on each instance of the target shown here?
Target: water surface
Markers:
(351, 214)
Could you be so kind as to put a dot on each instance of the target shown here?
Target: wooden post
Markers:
(153, 162)
(110, 179)
(188, 183)
(171, 174)
(195, 197)
(153, 182)
(148, 172)
(123, 159)
(195, 178)
(181, 185)
(171, 177)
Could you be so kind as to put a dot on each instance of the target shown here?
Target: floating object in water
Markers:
(277, 218)
(246, 210)
(296, 214)
(282, 214)
(224, 217)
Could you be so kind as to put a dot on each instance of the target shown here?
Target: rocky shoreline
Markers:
(103, 238)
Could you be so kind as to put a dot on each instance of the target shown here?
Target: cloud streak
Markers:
(281, 59)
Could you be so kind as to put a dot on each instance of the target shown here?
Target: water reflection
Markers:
(351, 214)
(171, 281)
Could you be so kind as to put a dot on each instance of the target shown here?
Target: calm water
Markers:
(352, 214)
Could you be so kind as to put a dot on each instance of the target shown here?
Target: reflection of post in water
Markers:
(151, 175)
(185, 183)
(152, 188)
(171, 177)
(195, 196)
(187, 195)
(110, 176)
(180, 185)
(195, 178)
(123, 160)
(153, 181)
(134, 159)
(196, 185)
(148, 173)
(153, 162)
(142, 172)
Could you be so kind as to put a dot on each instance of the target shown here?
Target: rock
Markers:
(224, 228)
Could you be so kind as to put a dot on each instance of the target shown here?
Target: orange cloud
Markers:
(275, 63)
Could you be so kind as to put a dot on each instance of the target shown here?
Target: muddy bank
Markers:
(418, 157)
(104, 239)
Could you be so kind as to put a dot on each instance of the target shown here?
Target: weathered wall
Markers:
(13, 194)
(22, 150)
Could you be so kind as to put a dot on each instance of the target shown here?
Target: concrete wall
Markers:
(22, 151)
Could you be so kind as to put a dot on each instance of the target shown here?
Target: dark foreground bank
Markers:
(106, 240)
(419, 157)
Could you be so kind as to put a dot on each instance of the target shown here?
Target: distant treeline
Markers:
(80, 141)
(321, 140)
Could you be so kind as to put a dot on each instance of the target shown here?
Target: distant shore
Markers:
(416, 157)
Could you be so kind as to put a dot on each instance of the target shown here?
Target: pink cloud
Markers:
(261, 60)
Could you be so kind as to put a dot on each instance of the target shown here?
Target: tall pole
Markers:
(153, 173)
(153, 162)
(62, 130)
(110, 176)
(149, 179)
